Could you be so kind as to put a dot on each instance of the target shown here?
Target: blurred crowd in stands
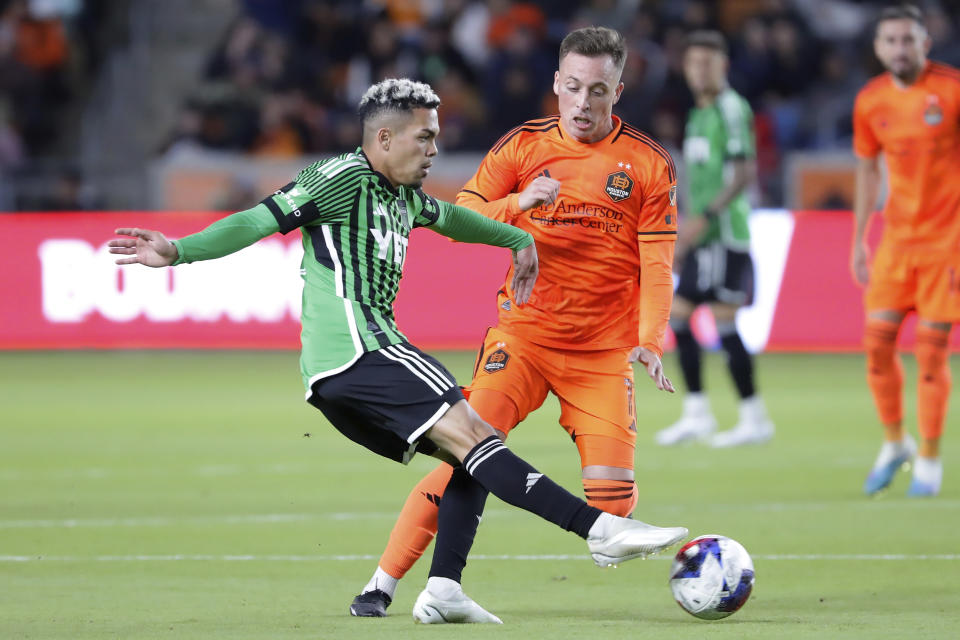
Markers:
(285, 78)
(48, 52)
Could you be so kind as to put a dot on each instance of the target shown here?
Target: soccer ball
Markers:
(711, 577)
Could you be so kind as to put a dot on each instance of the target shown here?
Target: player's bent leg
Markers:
(933, 392)
(885, 379)
(607, 471)
(697, 421)
(754, 425)
(611, 539)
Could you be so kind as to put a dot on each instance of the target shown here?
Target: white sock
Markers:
(696, 405)
(600, 527)
(891, 450)
(928, 470)
(752, 409)
(383, 581)
(443, 588)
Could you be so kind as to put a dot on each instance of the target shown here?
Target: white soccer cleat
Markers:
(455, 609)
(754, 426)
(613, 540)
(696, 423)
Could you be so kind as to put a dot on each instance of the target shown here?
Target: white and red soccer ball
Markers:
(711, 577)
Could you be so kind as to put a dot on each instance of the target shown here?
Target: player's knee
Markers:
(879, 344)
(932, 352)
(460, 430)
(618, 497)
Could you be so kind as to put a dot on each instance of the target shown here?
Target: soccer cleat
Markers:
(922, 490)
(372, 604)
(696, 423)
(743, 433)
(623, 539)
(457, 609)
(927, 477)
(892, 456)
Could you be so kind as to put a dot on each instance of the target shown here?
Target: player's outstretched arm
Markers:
(144, 246)
(654, 366)
(465, 225)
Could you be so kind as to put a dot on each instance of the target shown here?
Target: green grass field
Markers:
(176, 495)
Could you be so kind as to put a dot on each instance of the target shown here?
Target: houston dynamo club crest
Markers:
(933, 114)
(619, 186)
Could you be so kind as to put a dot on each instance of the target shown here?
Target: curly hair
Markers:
(396, 95)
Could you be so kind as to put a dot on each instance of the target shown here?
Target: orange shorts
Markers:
(906, 279)
(595, 389)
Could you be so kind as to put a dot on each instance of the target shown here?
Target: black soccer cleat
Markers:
(372, 604)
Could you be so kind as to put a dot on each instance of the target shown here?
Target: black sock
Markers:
(740, 363)
(689, 351)
(514, 481)
(457, 520)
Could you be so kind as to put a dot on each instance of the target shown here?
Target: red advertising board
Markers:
(60, 289)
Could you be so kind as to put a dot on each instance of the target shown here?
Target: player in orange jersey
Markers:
(599, 197)
(911, 114)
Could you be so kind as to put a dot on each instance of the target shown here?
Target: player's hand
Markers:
(526, 267)
(542, 190)
(654, 367)
(859, 264)
(143, 246)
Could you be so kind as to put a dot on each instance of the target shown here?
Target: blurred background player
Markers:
(911, 114)
(713, 247)
(602, 301)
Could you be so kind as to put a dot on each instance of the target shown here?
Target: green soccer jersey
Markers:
(714, 136)
(355, 227)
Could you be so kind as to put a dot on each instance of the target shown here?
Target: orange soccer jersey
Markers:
(918, 130)
(606, 243)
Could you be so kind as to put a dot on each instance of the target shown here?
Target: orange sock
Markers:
(417, 523)
(933, 380)
(618, 497)
(884, 371)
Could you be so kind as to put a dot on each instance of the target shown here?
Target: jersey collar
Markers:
(382, 179)
(607, 139)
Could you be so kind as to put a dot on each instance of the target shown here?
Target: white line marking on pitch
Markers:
(276, 518)
(351, 558)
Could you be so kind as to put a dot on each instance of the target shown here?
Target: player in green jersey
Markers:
(356, 212)
(713, 246)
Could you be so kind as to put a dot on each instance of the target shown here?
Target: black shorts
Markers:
(715, 273)
(388, 399)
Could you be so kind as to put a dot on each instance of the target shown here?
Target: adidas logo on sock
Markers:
(532, 480)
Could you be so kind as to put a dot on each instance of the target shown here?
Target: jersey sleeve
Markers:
(656, 293)
(491, 189)
(657, 235)
(865, 143)
(738, 122)
(657, 219)
(321, 193)
(426, 209)
(226, 236)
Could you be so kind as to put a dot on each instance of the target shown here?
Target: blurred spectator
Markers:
(68, 191)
